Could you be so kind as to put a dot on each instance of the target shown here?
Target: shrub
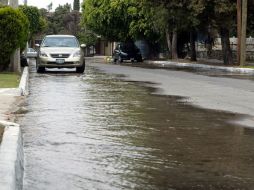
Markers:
(13, 33)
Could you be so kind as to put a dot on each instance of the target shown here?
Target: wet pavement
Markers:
(95, 131)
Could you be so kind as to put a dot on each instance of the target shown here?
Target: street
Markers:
(122, 127)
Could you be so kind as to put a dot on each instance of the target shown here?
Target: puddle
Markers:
(95, 131)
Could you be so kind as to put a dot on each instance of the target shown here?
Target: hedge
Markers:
(14, 29)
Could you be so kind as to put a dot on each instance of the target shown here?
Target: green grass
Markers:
(9, 80)
(250, 67)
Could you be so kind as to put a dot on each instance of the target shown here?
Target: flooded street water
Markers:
(95, 131)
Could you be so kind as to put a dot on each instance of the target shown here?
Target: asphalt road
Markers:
(218, 93)
(96, 131)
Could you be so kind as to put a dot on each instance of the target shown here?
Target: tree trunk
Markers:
(174, 45)
(226, 50)
(168, 37)
(193, 46)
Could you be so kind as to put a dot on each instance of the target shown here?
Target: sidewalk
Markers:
(8, 102)
(11, 148)
(202, 64)
(10, 97)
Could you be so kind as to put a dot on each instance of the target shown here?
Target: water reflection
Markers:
(98, 132)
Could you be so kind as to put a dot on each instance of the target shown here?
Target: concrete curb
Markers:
(11, 157)
(23, 85)
(11, 148)
(203, 67)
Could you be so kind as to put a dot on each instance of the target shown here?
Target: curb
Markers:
(11, 148)
(11, 157)
(201, 66)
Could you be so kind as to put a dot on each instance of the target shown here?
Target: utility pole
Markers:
(15, 57)
(241, 30)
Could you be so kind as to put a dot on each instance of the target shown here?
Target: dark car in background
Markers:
(127, 51)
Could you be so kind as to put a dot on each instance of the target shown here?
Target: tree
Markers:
(37, 24)
(57, 19)
(13, 31)
(76, 5)
(71, 22)
(173, 17)
(117, 20)
(223, 13)
(250, 29)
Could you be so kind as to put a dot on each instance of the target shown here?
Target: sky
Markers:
(45, 3)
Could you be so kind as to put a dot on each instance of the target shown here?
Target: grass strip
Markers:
(9, 80)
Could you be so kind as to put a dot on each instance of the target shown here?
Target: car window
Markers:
(60, 42)
(128, 47)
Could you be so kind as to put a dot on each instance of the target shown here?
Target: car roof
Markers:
(59, 36)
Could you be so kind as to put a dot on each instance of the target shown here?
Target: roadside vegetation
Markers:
(172, 25)
(249, 66)
(9, 80)
(169, 27)
(17, 27)
(13, 31)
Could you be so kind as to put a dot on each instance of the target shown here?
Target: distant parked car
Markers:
(31, 53)
(23, 60)
(127, 51)
(60, 51)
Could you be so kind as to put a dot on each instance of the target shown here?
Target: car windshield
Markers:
(60, 42)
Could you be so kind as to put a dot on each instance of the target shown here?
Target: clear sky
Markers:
(45, 3)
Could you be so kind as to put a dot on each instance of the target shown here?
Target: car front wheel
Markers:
(120, 60)
(81, 69)
(39, 69)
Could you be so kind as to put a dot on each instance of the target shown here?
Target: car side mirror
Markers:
(83, 45)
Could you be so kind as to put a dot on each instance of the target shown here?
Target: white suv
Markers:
(60, 51)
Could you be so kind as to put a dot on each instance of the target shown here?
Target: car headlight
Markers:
(77, 54)
(43, 54)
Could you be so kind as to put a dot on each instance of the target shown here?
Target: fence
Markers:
(217, 49)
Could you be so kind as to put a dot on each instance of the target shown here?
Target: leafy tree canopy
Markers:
(33, 15)
(13, 31)
(116, 19)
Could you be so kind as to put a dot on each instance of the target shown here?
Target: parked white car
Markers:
(60, 51)
(31, 53)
